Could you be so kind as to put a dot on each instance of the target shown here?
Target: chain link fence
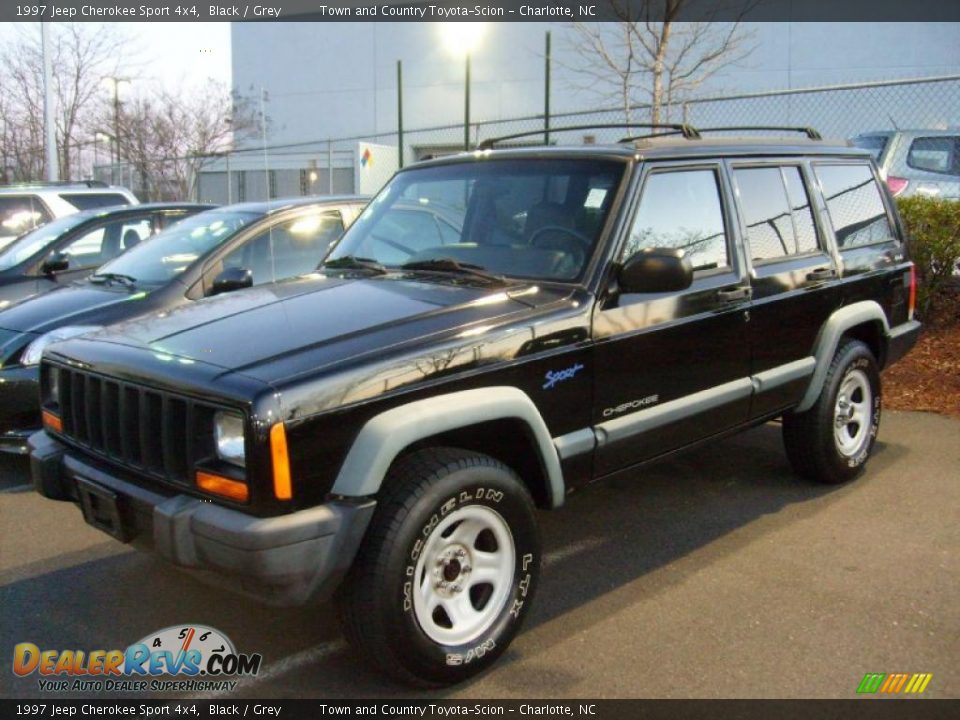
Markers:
(363, 163)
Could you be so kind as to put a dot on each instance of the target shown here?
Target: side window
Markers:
(87, 201)
(777, 212)
(935, 154)
(681, 209)
(291, 248)
(855, 205)
(19, 214)
(106, 242)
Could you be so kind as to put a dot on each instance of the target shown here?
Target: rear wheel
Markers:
(448, 568)
(832, 440)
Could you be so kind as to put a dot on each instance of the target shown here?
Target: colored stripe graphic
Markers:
(893, 683)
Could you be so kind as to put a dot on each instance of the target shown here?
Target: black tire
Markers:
(813, 446)
(424, 494)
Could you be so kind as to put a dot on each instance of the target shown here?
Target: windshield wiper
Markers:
(449, 265)
(350, 262)
(126, 280)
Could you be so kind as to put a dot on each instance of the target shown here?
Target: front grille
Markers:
(153, 432)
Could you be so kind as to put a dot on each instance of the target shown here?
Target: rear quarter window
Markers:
(86, 201)
(935, 154)
(854, 204)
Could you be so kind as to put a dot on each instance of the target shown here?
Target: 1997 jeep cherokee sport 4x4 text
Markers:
(495, 329)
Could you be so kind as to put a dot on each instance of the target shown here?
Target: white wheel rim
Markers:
(852, 414)
(464, 575)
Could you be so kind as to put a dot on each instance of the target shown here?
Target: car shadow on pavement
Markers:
(608, 535)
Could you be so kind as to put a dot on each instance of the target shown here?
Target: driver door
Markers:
(674, 366)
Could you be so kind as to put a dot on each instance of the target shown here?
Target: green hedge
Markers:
(933, 242)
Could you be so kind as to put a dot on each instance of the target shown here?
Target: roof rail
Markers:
(808, 131)
(57, 183)
(689, 132)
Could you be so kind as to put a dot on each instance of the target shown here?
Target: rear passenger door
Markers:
(673, 368)
(793, 274)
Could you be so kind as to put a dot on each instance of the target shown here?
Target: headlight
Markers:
(228, 431)
(31, 356)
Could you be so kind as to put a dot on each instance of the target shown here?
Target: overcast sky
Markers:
(171, 53)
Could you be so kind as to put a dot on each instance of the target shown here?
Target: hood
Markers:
(335, 317)
(80, 304)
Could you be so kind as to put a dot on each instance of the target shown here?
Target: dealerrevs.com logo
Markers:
(204, 655)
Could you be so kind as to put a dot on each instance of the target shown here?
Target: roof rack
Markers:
(808, 131)
(689, 132)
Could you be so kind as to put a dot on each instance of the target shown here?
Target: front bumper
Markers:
(285, 560)
(19, 407)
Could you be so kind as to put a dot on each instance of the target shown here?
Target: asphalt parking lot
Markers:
(715, 574)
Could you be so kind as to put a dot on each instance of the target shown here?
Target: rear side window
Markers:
(777, 212)
(86, 201)
(20, 213)
(681, 209)
(854, 203)
(876, 144)
(935, 154)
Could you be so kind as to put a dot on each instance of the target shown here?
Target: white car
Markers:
(25, 207)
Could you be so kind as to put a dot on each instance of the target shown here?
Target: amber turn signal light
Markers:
(52, 421)
(282, 487)
(225, 487)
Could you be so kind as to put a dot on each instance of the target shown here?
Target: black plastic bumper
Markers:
(19, 407)
(285, 560)
(901, 340)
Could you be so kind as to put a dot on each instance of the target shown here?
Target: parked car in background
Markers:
(70, 248)
(916, 162)
(216, 251)
(26, 207)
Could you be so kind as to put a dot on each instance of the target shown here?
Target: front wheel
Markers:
(832, 440)
(448, 568)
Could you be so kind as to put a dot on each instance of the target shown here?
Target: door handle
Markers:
(734, 294)
(821, 274)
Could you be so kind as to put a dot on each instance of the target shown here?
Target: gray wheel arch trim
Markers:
(833, 329)
(385, 436)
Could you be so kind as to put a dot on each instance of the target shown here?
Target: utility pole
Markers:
(115, 84)
(546, 93)
(53, 166)
(400, 112)
(263, 130)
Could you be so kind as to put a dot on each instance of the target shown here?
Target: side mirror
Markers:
(57, 262)
(235, 278)
(655, 270)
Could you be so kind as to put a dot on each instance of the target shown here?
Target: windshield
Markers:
(531, 218)
(169, 253)
(33, 242)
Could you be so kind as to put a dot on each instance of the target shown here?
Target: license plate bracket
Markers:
(102, 508)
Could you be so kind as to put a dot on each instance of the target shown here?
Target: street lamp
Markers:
(463, 37)
(114, 83)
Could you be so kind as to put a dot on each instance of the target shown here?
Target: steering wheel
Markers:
(575, 244)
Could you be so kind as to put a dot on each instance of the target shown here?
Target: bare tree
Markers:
(170, 137)
(657, 63)
(82, 56)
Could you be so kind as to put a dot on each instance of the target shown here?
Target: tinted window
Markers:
(86, 201)
(854, 203)
(19, 214)
(292, 248)
(876, 144)
(777, 212)
(681, 209)
(935, 154)
(519, 218)
(106, 242)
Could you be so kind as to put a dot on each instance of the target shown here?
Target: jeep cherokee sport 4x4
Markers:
(494, 330)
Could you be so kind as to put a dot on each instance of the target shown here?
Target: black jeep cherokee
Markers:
(496, 329)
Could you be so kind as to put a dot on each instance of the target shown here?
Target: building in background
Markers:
(330, 87)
